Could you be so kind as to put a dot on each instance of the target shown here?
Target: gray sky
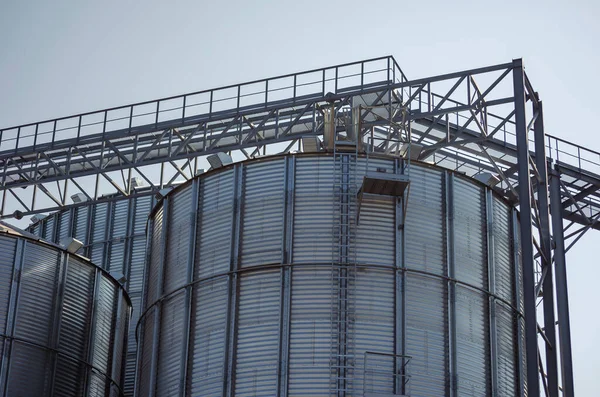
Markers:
(59, 58)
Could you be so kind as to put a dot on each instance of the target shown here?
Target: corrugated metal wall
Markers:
(434, 296)
(114, 237)
(59, 313)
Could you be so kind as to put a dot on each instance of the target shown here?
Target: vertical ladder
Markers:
(343, 268)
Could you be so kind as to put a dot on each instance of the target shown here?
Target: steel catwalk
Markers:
(64, 322)
(113, 236)
(240, 286)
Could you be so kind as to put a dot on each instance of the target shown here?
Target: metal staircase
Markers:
(343, 266)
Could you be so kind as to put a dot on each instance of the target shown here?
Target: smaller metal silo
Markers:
(114, 238)
(63, 321)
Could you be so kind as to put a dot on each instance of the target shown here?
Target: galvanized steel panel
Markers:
(425, 246)
(49, 229)
(181, 218)
(68, 381)
(214, 237)
(117, 237)
(97, 250)
(506, 327)
(153, 289)
(30, 372)
(426, 335)
(104, 330)
(38, 287)
(375, 234)
(374, 330)
(257, 344)
(503, 253)
(7, 258)
(309, 372)
(470, 238)
(136, 271)
(313, 240)
(75, 327)
(143, 385)
(262, 226)
(80, 224)
(64, 225)
(374, 164)
(207, 346)
(97, 386)
(171, 342)
(120, 341)
(472, 349)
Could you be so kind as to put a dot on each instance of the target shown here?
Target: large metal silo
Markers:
(64, 322)
(113, 236)
(257, 286)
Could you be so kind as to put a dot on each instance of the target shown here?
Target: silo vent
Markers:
(311, 144)
(79, 198)
(38, 217)
(71, 244)
(487, 178)
(136, 182)
(218, 160)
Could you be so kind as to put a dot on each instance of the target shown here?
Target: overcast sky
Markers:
(59, 58)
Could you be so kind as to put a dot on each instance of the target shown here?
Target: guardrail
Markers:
(251, 94)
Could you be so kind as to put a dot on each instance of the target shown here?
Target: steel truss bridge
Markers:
(486, 120)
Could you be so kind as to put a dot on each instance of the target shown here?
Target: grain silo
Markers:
(332, 274)
(64, 321)
(113, 237)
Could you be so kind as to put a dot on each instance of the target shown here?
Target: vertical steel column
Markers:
(143, 298)
(13, 299)
(159, 292)
(450, 262)
(399, 291)
(518, 298)
(118, 324)
(189, 290)
(124, 350)
(129, 239)
(562, 297)
(111, 209)
(92, 336)
(526, 229)
(60, 284)
(544, 228)
(234, 283)
(286, 276)
(489, 213)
